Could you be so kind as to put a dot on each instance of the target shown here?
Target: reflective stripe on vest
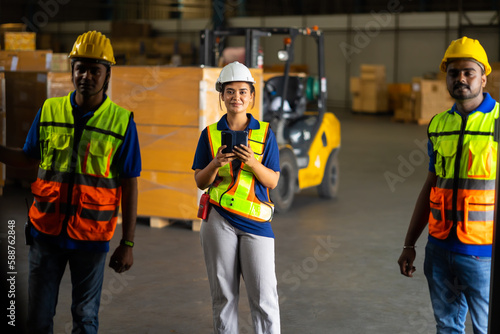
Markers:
(236, 193)
(465, 159)
(78, 187)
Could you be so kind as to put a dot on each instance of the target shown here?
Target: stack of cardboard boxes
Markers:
(25, 93)
(370, 90)
(134, 45)
(25, 41)
(493, 81)
(431, 97)
(400, 101)
(19, 50)
(26, 82)
(424, 98)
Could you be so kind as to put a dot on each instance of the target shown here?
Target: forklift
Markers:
(308, 135)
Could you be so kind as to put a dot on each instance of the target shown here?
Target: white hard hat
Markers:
(233, 72)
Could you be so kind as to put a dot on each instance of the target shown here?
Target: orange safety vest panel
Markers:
(77, 191)
(236, 193)
(465, 159)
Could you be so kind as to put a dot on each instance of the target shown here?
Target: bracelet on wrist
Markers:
(409, 247)
(127, 243)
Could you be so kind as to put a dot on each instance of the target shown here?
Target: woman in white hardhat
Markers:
(237, 236)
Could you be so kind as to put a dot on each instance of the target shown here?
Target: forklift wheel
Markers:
(282, 195)
(330, 184)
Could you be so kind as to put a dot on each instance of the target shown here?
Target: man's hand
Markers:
(406, 262)
(122, 259)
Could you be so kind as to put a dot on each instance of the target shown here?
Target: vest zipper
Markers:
(72, 170)
(235, 171)
(456, 176)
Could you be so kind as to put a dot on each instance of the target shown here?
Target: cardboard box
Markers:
(355, 88)
(25, 60)
(493, 82)
(431, 98)
(405, 111)
(355, 85)
(25, 94)
(2, 91)
(369, 95)
(397, 92)
(167, 194)
(60, 63)
(369, 91)
(59, 84)
(10, 27)
(2, 128)
(25, 90)
(373, 72)
(20, 41)
(2, 142)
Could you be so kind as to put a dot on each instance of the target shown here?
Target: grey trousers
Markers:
(231, 253)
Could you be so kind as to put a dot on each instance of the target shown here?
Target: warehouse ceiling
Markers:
(12, 11)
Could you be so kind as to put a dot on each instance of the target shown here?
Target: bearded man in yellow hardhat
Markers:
(457, 201)
(87, 151)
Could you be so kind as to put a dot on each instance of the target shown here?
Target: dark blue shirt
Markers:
(128, 158)
(452, 243)
(270, 159)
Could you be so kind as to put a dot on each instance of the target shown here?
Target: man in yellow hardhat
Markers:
(87, 151)
(457, 200)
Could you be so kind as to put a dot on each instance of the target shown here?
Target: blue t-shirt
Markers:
(128, 158)
(452, 243)
(270, 159)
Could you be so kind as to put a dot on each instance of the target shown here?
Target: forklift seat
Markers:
(295, 104)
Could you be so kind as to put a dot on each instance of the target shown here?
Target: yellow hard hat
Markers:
(466, 48)
(93, 45)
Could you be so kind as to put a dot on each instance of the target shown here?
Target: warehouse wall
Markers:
(408, 44)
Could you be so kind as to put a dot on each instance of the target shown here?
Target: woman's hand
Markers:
(222, 159)
(267, 177)
(204, 177)
(245, 154)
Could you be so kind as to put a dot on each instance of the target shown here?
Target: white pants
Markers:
(229, 254)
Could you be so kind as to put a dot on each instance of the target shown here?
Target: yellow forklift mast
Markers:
(295, 106)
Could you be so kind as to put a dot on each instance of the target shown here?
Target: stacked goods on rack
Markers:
(370, 90)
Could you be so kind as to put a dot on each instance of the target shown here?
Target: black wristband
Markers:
(127, 243)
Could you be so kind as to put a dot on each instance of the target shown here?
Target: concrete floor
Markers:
(335, 260)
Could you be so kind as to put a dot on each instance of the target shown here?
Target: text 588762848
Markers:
(11, 272)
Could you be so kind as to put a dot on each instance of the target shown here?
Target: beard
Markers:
(462, 92)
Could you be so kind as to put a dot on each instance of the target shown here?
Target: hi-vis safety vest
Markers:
(77, 190)
(465, 159)
(236, 193)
